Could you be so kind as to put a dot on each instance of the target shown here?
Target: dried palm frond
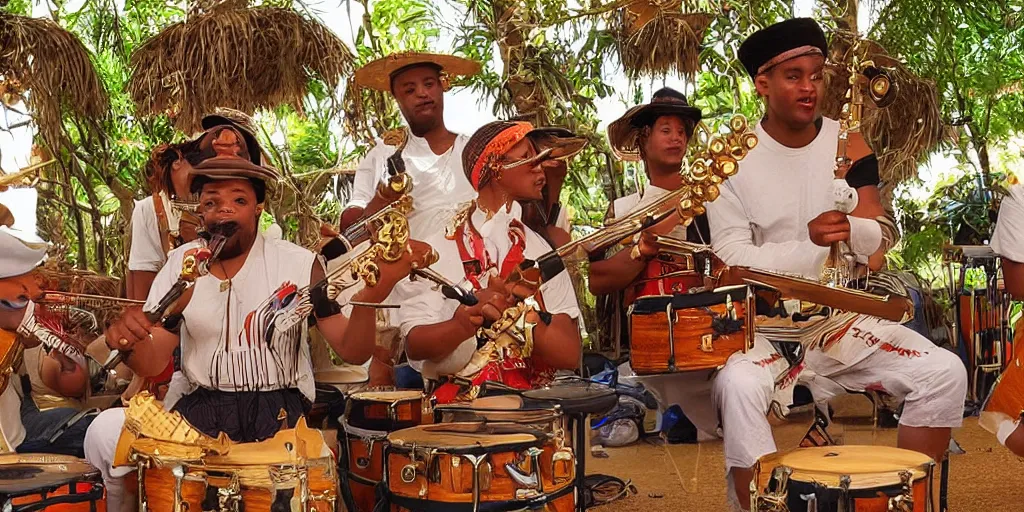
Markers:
(902, 134)
(245, 59)
(366, 112)
(49, 63)
(655, 38)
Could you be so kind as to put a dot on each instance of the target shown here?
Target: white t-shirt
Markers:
(439, 184)
(146, 253)
(628, 204)
(424, 306)
(1008, 237)
(760, 219)
(11, 428)
(222, 345)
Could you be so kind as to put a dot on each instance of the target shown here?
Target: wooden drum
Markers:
(57, 483)
(679, 333)
(851, 478)
(474, 466)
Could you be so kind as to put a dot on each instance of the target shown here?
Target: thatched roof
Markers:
(902, 134)
(39, 57)
(655, 38)
(245, 59)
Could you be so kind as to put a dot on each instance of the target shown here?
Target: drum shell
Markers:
(862, 500)
(75, 476)
(256, 488)
(671, 334)
(65, 490)
(563, 503)
(387, 416)
(361, 481)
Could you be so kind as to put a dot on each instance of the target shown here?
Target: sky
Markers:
(343, 17)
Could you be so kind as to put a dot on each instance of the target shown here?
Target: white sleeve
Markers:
(1008, 237)
(367, 175)
(146, 253)
(166, 277)
(560, 296)
(733, 241)
(424, 306)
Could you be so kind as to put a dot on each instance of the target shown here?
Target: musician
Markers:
(427, 149)
(778, 213)
(658, 134)
(240, 374)
(489, 239)
(1008, 243)
(24, 427)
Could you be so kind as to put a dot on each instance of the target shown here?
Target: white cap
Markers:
(20, 252)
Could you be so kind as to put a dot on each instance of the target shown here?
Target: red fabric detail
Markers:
(499, 145)
(515, 256)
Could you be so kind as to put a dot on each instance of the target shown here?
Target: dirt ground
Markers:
(690, 478)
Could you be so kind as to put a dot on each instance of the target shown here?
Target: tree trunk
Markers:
(511, 20)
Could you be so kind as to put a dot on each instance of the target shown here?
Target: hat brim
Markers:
(377, 74)
(256, 153)
(563, 143)
(226, 168)
(623, 133)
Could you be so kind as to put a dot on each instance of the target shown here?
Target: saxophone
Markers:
(876, 83)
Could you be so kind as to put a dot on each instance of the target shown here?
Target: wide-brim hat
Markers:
(218, 163)
(223, 116)
(562, 142)
(780, 42)
(624, 132)
(377, 74)
(22, 252)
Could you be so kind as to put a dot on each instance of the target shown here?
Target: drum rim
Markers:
(539, 439)
(361, 396)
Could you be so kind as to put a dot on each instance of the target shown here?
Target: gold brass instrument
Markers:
(714, 162)
(876, 84)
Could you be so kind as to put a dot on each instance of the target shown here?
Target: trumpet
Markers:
(716, 161)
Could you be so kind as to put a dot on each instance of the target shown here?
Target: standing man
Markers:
(778, 213)
(1008, 243)
(429, 153)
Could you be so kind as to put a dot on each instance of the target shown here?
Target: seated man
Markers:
(779, 214)
(23, 426)
(1008, 243)
(484, 243)
(239, 373)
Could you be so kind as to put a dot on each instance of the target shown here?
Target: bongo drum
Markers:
(369, 417)
(54, 482)
(844, 478)
(476, 466)
(541, 415)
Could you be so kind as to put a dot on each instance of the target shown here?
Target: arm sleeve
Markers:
(146, 253)
(424, 306)
(1008, 237)
(367, 176)
(560, 296)
(732, 240)
(166, 277)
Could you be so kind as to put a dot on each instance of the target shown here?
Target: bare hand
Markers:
(131, 328)
(829, 227)
(493, 301)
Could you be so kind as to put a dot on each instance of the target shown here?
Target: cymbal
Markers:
(20, 473)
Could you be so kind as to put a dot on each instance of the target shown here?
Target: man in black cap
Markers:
(780, 213)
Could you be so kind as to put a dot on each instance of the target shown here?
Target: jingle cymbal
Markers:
(20, 473)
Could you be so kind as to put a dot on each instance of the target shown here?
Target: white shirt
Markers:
(219, 349)
(11, 428)
(628, 204)
(146, 253)
(760, 219)
(425, 306)
(439, 183)
(1008, 237)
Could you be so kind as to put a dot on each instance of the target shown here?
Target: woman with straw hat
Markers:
(483, 243)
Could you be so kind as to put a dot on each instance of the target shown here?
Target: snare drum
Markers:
(473, 466)
(679, 333)
(369, 417)
(851, 478)
(171, 483)
(52, 482)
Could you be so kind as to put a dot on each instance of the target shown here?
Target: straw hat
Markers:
(378, 74)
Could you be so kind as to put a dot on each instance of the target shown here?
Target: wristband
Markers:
(865, 235)
(323, 306)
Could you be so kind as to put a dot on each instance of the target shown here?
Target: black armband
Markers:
(864, 172)
(333, 249)
(323, 306)
(545, 317)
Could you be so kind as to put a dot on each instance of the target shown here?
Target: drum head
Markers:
(869, 467)
(577, 396)
(466, 438)
(20, 474)
(387, 396)
(501, 408)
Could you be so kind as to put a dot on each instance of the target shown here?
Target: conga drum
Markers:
(54, 482)
(844, 478)
(476, 466)
(369, 417)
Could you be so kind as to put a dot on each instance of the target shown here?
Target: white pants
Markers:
(100, 444)
(893, 359)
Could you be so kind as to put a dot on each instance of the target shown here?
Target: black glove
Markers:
(323, 306)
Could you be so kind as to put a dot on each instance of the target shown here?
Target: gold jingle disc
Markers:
(717, 147)
(728, 166)
(712, 193)
(699, 170)
(749, 141)
(738, 124)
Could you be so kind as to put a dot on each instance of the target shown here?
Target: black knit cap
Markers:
(769, 42)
